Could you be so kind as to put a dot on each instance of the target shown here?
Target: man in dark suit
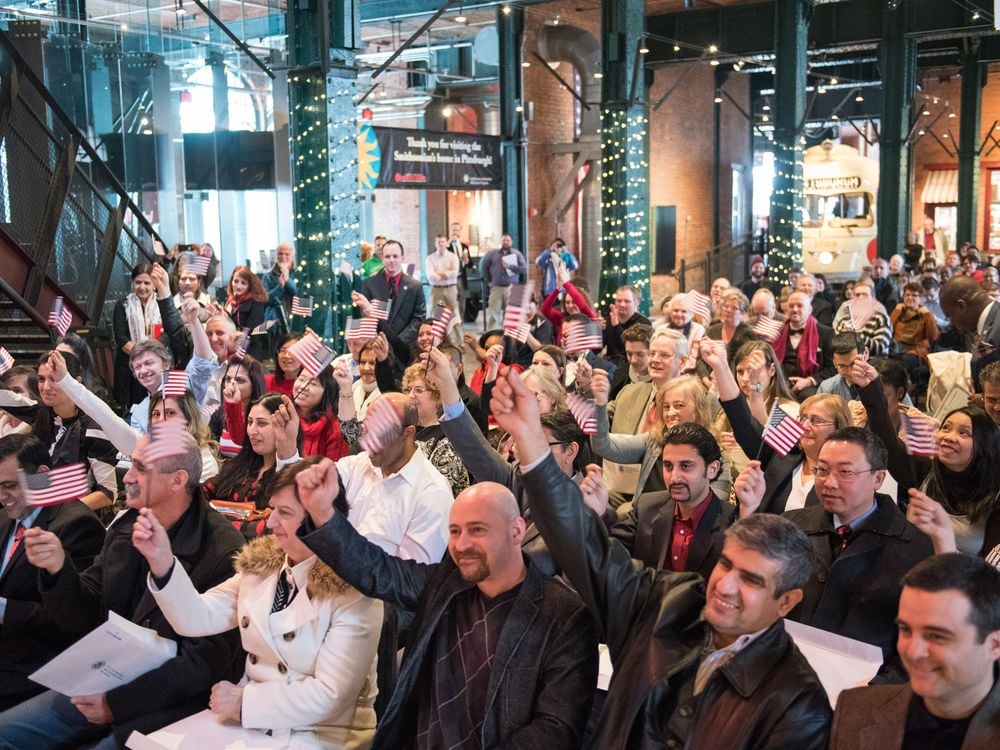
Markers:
(203, 542)
(408, 307)
(498, 651)
(683, 527)
(949, 642)
(972, 310)
(29, 636)
(805, 348)
(863, 544)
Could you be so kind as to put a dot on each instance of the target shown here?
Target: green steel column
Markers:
(510, 28)
(322, 88)
(898, 58)
(625, 244)
(791, 34)
(973, 79)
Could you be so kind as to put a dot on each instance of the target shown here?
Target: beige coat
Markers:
(310, 670)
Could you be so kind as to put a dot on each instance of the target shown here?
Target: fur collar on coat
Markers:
(263, 557)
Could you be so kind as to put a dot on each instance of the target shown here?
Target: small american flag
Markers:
(175, 383)
(768, 328)
(583, 337)
(57, 486)
(516, 312)
(361, 329)
(444, 318)
(699, 304)
(302, 306)
(919, 436)
(166, 439)
(782, 431)
(196, 264)
(584, 412)
(209, 408)
(380, 309)
(860, 311)
(60, 318)
(6, 360)
(243, 345)
(263, 328)
(310, 352)
(381, 424)
(519, 334)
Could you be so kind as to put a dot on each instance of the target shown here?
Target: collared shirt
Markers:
(859, 522)
(27, 523)
(683, 534)
(405, 513)
(716, 658)
(445, 264)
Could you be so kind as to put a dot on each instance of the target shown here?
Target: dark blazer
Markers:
(406, 313)
(647, 529)
(29, 636)
(991, 326)
(545, 666)
(822, 311)
(249, 314)
(824, 356)
(875, 717)
(766, 696)
(857, 594)
(204, 543)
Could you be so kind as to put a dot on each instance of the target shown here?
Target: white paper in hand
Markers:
(206, 730)
(841, 663)
(112, 655)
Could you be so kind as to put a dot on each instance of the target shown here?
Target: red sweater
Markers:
(273, 386)
(323, 438)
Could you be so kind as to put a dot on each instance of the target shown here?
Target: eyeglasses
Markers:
(416, 390)
(843, 475)
(554, 443)
(816, 421)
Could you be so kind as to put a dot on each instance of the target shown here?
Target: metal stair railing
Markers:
(729, 259)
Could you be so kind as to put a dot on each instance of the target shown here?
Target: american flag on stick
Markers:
(196, 264)
(166, 439)
(361, 329)
(919, 435)
(381, 424)
(6, 360)
(782, 431)
(860, 310)
(310, 352)
(519, 334)
(516, 313)
(60, 318)
(175, 383)
(582, 337)
(209, 408)
(263, 328)
(699, 304)
(444, 318)
(584, 412)
(57, 486)
(302, 306)
(380, 309)
(768, 328)
(243, 344)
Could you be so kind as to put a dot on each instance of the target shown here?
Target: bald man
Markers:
(500, 655)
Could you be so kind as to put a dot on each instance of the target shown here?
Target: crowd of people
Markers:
(514, 520)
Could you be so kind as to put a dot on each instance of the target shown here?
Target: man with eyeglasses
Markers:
(862, 542)
(845, 350)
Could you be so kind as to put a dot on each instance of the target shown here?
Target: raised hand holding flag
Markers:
(60, 318)
(782, 431)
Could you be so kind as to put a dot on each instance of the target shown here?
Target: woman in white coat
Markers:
(310, 669)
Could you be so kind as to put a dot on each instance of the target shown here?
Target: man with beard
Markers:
(499, 654)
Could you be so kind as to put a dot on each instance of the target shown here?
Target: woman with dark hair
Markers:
(552, 357)
(23, 381)
(317, 401)
(134, 320)
(246, 300)
(81, 350)
(70, 435)
(242, 383)
(286, 367)
(273, 436)
(564, 301)
(958, 503)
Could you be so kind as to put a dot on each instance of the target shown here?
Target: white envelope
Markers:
(112, 655)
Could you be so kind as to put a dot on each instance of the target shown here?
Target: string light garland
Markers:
(624, 202)
(787, 201)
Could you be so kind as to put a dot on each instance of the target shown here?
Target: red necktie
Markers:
(845, 532)
(18, 536)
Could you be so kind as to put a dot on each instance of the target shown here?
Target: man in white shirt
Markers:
(442, 272)
(398, 499)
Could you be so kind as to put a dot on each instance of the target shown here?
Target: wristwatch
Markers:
(759, 387)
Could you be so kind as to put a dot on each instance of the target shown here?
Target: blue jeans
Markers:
(50, 721)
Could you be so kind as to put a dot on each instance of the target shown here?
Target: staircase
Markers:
(22, 336)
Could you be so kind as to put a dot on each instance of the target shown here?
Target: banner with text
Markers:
(438, 161)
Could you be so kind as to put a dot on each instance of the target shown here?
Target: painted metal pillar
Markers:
(625, 247)
(973, 79)
(898, 60)
(510, 29)
(791, 34)
(322, 88)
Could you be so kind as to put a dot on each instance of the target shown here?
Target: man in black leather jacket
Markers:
(688, 672)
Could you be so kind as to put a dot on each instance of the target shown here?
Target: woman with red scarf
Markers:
(246, 299)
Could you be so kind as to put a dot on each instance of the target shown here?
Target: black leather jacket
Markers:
(767, 696)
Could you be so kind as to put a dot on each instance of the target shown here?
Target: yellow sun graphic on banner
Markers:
(369, 157)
